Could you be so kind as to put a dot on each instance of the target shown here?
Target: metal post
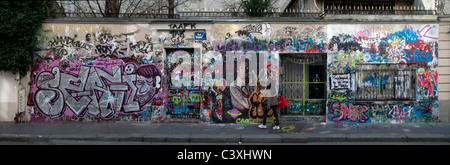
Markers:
(300, 7)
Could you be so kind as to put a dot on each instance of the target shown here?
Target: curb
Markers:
(339, 137)
(120, 137)
(155, 137)
(230, 138)
(261, 138)
(376, 138)
(294, 138)
(24, 137)
(427, 138)
(215, 138)
(72, 137)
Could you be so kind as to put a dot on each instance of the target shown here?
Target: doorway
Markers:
(303, 84)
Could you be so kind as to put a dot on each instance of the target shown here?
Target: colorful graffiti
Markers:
(270, 37)
(129, 72)
(102, 89)
(390, 62)
(258, 105)
(348, 111)
(105, 74)
(424, 112)
(309, 108)
(370, 112)
(427, 84)
(184, 103)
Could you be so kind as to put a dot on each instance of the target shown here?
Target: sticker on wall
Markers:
(199, 36)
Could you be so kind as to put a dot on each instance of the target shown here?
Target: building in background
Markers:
(338, 61)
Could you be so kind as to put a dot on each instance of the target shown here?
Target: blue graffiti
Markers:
(414, 56)
(407, 34)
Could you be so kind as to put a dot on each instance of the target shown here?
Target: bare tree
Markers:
(112, 8)
(232, 4)
(237, 5)
(119, 8)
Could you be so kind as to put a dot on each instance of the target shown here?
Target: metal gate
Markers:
(303, 83)
(384, 82)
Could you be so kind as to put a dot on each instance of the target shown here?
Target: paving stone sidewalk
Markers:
(166, 133)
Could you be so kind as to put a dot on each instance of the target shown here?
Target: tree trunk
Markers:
(112, 8)
(171, 8)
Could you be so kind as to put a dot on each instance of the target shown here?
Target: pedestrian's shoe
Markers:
(276, 127)
(262, 126)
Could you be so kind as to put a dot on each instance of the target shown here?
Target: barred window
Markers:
(385, 82)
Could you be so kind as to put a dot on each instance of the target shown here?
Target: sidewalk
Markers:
(166, 133)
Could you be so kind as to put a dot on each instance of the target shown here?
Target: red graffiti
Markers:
(219, 106)
(347, 111)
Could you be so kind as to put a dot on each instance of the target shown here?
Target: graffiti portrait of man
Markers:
(148, 83)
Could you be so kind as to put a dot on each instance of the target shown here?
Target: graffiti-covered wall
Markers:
(161, 71)
(245, 104)
(382, 73)
(95, 72)
(192, 72)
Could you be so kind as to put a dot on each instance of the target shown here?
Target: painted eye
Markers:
(140, 82)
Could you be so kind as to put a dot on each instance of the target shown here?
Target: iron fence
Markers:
(380, 11)
(221, 13)
(382, 82)
(227, 13)
(186, 14)
(147, 15)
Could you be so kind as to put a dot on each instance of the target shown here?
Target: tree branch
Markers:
(79, 8)
(101, 11)
(135, 7)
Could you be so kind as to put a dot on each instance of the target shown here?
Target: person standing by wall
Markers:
(271, 102)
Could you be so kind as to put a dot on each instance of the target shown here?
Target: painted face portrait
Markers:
(148, 83)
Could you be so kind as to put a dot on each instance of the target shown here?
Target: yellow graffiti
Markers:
(242, 121)
(228, 28)
(83, 27)
(289, 128)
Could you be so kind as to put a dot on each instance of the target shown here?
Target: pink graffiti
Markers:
(350, 112)
(427, 82)
(101, 90)
(424, 31)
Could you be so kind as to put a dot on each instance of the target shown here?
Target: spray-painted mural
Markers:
(244, 103)
(95, 72)
(134, 72)
(382, 73)
(186, 72)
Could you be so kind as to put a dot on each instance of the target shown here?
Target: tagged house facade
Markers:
(206, 71)
(358, 73)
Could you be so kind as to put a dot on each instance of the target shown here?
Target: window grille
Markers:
(385, 82)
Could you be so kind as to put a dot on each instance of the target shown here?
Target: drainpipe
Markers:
(300, 2)
(20, 102)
